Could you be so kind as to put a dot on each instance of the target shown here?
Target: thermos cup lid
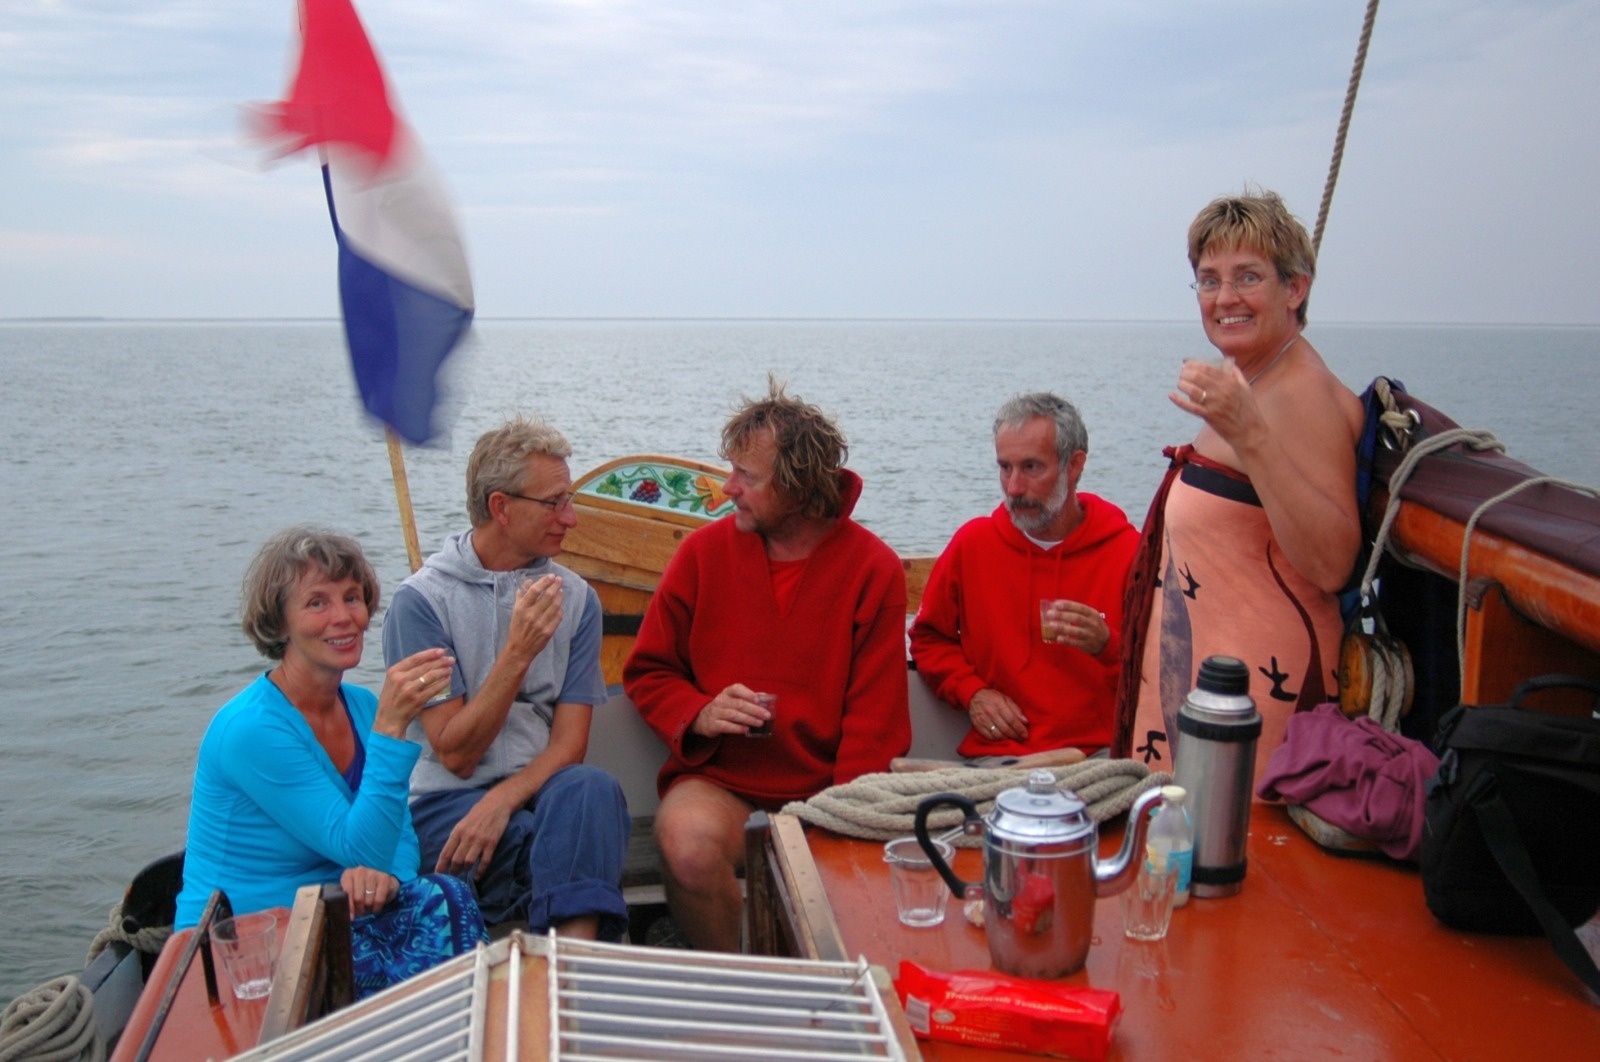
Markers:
(1224, 674)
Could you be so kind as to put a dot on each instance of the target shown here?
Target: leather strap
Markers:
(1500, 831)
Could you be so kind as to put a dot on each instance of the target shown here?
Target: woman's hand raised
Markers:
(409, 686)
(1219, 394)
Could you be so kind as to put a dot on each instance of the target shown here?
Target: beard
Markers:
(1035, 516)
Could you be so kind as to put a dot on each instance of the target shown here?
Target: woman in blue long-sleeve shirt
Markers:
(303, 779)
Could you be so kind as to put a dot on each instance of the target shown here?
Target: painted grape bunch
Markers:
(666, 486)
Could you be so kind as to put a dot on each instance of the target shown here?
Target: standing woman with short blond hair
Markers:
(1256, 528)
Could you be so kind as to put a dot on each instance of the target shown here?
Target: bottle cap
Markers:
(1224, 674)
(1174, 794)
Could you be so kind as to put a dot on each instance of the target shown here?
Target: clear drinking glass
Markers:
(1147, 903)
(248, 947)
(1047, 624)
(920, 894)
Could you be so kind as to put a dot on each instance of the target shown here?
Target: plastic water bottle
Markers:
(1171, 838)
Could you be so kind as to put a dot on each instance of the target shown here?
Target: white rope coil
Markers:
(1388, 691)
(55, 1022)
(879, 807)
(52, 1023)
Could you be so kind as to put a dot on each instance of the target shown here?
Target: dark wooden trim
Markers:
(622, 623)
(760, 909)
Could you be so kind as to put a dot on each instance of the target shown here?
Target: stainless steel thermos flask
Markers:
(1218, 726)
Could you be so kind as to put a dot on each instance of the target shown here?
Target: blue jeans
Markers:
(560, 857)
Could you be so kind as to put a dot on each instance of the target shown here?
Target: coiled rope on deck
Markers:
(878, 807)
(55, 1022)
(52, 1023)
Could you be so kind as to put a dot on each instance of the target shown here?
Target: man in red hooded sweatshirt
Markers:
(1019, 620)
(788, 598)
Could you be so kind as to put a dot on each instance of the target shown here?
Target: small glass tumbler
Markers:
(769, 701)
(1048, 630)
(1147, 903)
(920, 894)
(248, 947)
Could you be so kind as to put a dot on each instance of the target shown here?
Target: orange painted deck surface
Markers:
(1320, 956)
(195, 1030)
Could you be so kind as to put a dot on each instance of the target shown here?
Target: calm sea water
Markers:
(144, 462)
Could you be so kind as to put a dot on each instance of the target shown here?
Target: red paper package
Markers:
(983, 1008)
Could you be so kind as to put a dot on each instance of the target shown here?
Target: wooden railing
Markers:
(1527, 613)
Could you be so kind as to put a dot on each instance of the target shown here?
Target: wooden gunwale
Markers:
(1542, 588)
(1527, 613)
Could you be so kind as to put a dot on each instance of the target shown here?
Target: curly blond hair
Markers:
(810, 448)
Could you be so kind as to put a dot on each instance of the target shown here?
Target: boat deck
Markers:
(1319, 956)
(192, 1027)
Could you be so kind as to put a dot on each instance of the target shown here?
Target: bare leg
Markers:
(584, 927)
(700, 829)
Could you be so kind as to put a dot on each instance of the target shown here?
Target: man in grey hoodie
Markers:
(501, 791)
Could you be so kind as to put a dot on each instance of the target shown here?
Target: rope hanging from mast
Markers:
(1344, 124)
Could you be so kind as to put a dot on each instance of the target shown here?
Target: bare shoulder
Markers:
(1310, 402)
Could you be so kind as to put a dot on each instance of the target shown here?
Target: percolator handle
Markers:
(925, 808)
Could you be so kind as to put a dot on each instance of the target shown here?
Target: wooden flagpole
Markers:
(402, 497)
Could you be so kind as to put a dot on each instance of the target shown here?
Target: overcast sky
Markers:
(821, 158)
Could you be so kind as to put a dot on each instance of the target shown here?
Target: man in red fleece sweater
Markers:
(787, 597)
(1047, 552)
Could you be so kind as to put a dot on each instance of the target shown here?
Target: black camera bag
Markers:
(1511, 842)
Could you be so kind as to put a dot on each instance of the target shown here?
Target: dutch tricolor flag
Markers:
(403, 279)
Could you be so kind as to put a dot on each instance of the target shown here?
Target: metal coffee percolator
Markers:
(1040, 872)
(1216, 760)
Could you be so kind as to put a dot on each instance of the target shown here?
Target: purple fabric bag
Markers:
(1355, 775)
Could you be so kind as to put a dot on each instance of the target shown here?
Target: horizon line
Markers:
(101, 319)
